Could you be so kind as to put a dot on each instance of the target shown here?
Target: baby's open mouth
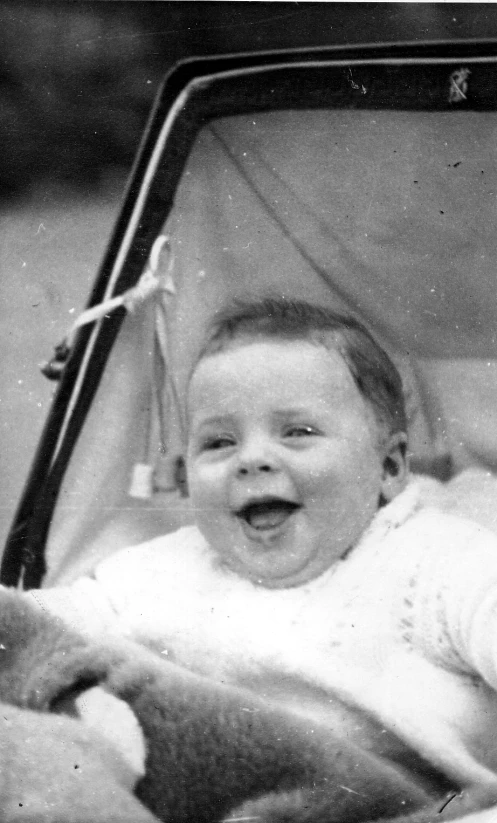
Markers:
(268, 513)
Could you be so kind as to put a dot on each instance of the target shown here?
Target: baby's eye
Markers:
(300, 430)
(216, 442)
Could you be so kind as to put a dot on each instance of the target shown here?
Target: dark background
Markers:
(77, 79)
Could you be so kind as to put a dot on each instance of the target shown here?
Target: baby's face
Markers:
(284, 465)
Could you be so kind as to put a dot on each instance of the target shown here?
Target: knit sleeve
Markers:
(82, 605)
(105, 602)
(454, 602)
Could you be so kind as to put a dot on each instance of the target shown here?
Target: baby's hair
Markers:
(373, 371)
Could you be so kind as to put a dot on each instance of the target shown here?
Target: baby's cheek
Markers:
(207, 485)
(209, 504)
(199, 482)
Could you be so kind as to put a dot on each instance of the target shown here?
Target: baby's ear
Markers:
(395, 467)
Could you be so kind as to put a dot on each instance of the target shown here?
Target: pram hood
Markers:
(361, 179)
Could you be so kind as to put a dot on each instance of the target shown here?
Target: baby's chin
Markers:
(271, 569)
(290, 555)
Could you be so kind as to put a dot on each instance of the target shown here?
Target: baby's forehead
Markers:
(251, 344)
(297, 366)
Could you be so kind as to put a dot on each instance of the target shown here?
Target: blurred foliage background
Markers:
(77, 79)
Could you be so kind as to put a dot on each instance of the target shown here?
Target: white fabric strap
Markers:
(149, 284)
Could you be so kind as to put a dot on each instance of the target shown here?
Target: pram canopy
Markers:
(364, 179)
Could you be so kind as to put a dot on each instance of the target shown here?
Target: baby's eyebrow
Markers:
(294, 411)
(278, 414)
(215, 420)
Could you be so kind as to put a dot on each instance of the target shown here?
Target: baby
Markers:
(313, 571)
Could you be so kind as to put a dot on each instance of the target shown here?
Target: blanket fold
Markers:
(210, 748)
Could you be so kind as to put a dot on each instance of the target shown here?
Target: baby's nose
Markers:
(254, 458)
(254, 468)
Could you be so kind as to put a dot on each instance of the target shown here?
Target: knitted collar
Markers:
(395, 513)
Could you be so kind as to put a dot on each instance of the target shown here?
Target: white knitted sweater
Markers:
(405, 627)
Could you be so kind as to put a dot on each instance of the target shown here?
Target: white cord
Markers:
(148, 285)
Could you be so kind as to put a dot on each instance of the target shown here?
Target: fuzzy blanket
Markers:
(213, 753)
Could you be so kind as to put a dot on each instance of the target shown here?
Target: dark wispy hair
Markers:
(374, 373)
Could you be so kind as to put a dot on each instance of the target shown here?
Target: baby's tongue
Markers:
(268, 515)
